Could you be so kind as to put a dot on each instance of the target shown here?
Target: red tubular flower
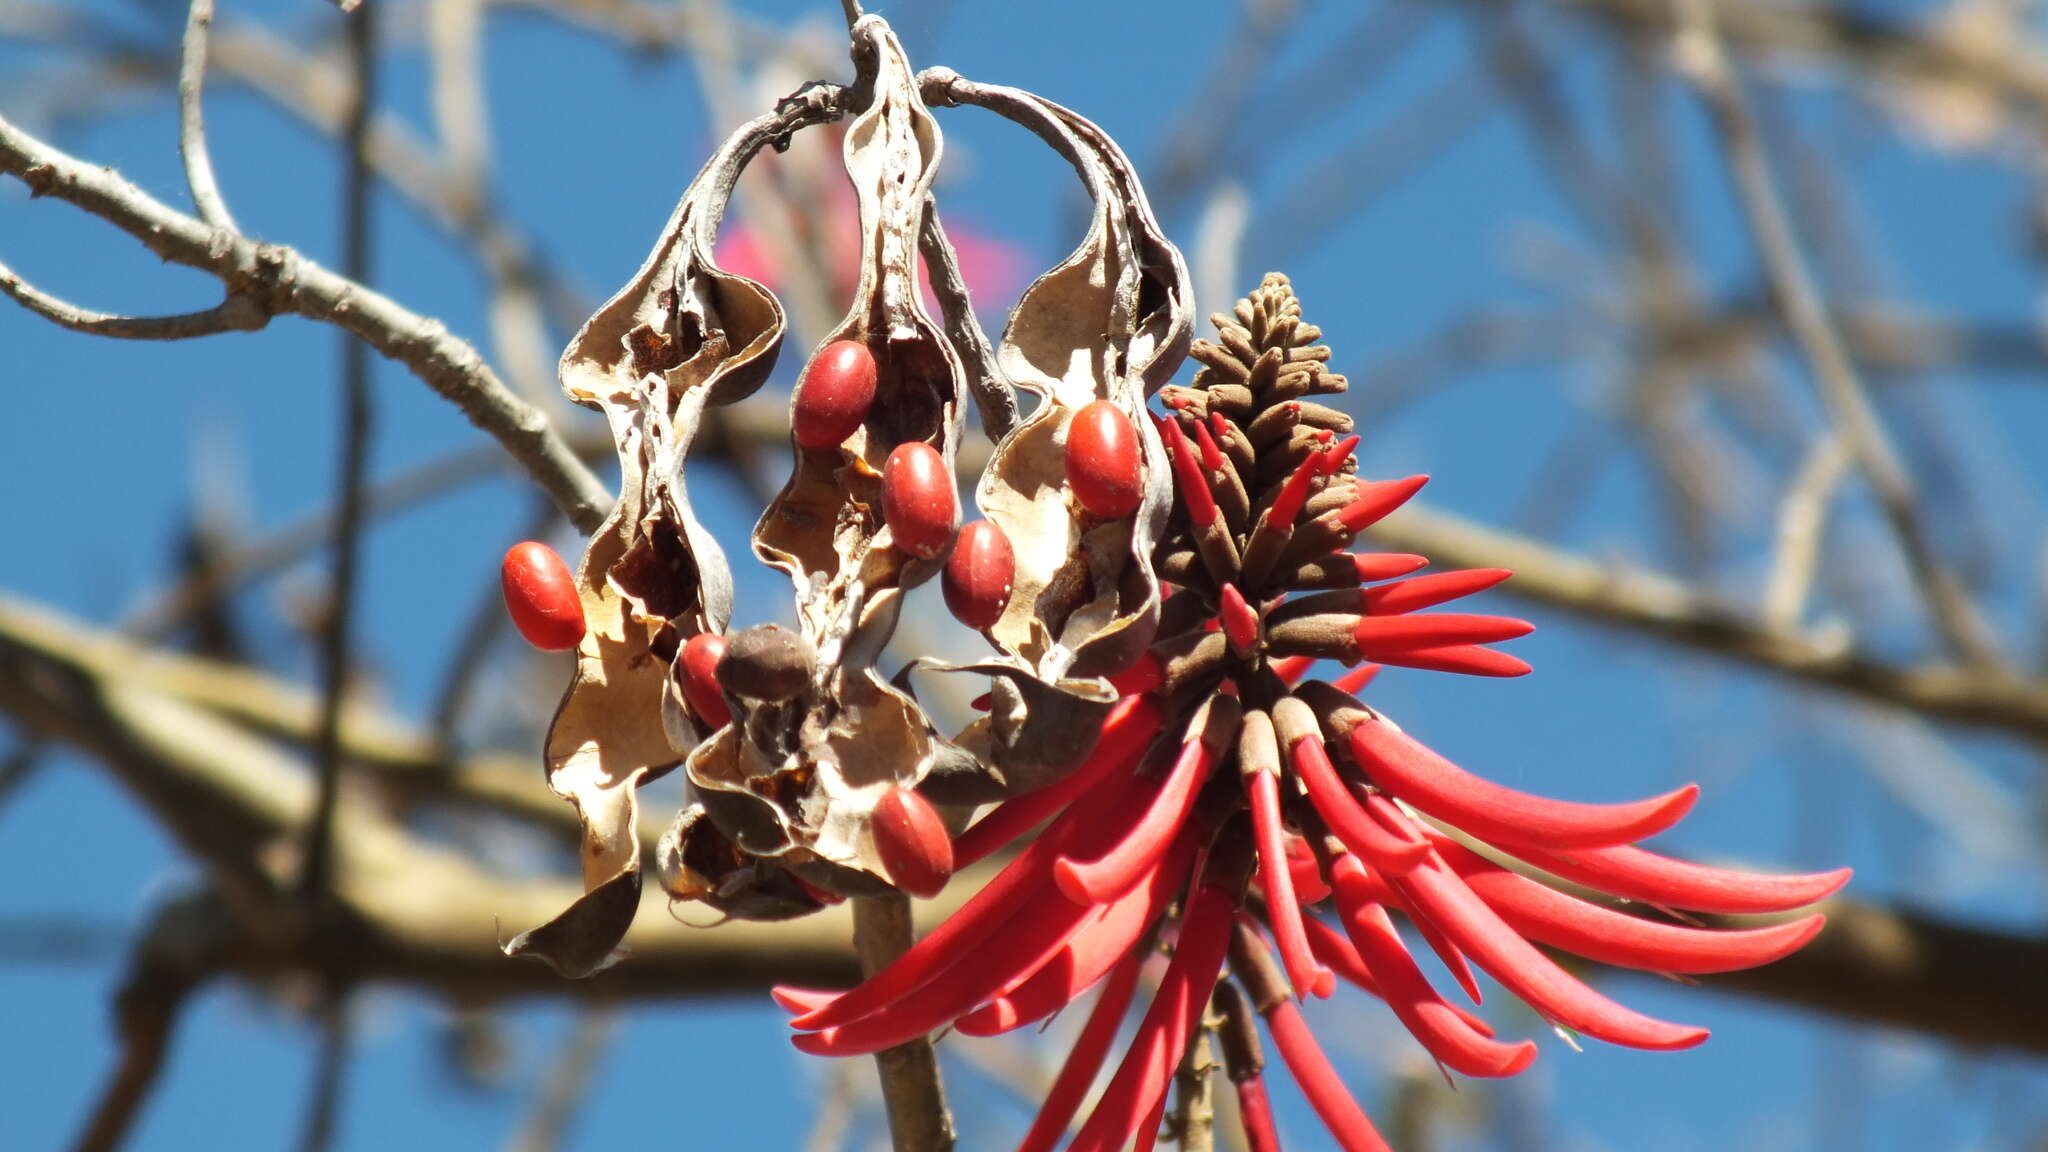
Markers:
(1085, 1060)
(1308, 976)
(1125, 735)
(1220, 756)
(1140, 1081)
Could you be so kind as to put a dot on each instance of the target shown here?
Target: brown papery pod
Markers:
(682, 335)
(1111, 323)
(798, 778)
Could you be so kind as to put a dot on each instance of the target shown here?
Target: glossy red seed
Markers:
(979, 575)
(834, 395)
(1105, 463)
(913, 842)
(700, 679)
(541, 597)
(918, 499)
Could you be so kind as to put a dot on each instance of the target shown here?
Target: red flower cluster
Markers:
(1226, 799)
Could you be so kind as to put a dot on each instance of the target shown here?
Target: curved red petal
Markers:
(1102, 878)
(1192, 486)
(1255, 1112)
(1386, 565)
(1443, 1028)
(1502, 815)
(1462, 659)
(1639, 874)
(1128, 730)
(1092, 951)
(1383, 637)
(1040, 928)
(1282, 912)
(1326, 1094)
(1333, 801)
(1335, 949)
(1547, 916)
(1085, 1060)
(1440, 895)
(1419, 592)
(1140, 1081)
(1375, 499)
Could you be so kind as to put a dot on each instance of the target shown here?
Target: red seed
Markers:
(918, 499)
(913, 842)
(1105, 463)
(541, 596)
(979, 575)
(834, 395)
(700, 679)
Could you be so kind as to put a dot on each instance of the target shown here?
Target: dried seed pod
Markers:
(913, 842)
(682, 335)
(918, 500)
(798, 779)
(979, 575)
(699, 662)
(1105, 462)
(541, 597)
(1108, 325)
(833, 397)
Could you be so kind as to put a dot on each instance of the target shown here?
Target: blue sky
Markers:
(106, 442)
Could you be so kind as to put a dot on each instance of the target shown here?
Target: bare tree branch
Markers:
(235, 314)
(179, 950)
(1669, 610)
(911, 1090)
(277, 280)
(1702, 59)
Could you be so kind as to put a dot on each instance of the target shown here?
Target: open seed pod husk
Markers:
(798, 778)
(682, 335)
(1111, 323)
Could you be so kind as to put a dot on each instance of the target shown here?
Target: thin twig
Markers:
(1802, 520)
(330, 1067)
(182, 947)
(994, 396)
(1194, 1088)
(335, 641)
(1702, 59)
(206, 197)
(835, 1109)
(319, 902)
(234, 314)
(911, 1089)
(278, 279)
(567, 1081)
